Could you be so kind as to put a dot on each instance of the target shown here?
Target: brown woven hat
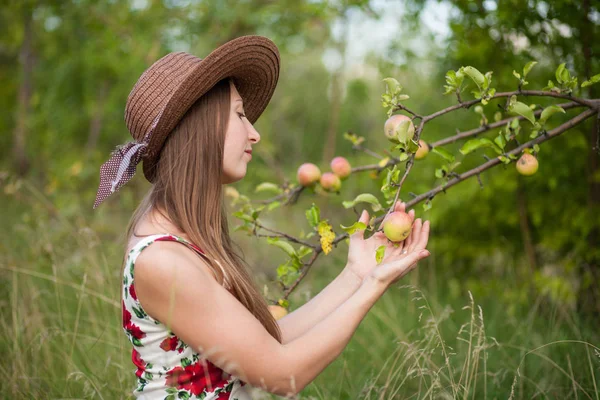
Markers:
(170, 86)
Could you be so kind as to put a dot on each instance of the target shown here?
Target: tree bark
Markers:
(526, 228)
(97, 117)
(21, 160)
(337, 85)
(588, 301)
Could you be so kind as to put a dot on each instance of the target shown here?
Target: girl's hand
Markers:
(361, 254)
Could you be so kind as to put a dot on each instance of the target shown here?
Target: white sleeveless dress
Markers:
(166, 367)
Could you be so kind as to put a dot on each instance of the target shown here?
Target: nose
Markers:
(253, 134)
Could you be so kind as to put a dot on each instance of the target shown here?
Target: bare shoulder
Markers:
(169, 271)
(164, 260)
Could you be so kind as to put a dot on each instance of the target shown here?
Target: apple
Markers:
(399, 128)
(397, 226)
(423, 150)
(277, 312)
(341, 167)
(527, 164)
(331, 182)
(308, 174)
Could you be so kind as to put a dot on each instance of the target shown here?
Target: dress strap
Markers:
(174, 238)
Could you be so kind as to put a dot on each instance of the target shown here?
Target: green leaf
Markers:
(273, 205)
(550, 86)
(357, 226)
(523, 110)
(313, 215)
(364, 198)
(413, 146)
(562, 74)
(475, 76)
(268, 187)
(403, 156)
(504, 159)
(392, 85)
(444, 154)
(184, 395)
(303, 251)
(402, 97)
(528, 68)
(379, 254)
(549, 111)
(536, 148)
(243, 216)
(500, 141)
(534, 133)
(427, 205)
(516, 74)
(475, 144)
(439, 173)
(285, 246)
(591, 81)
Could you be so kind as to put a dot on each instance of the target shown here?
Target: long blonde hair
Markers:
(188, 188)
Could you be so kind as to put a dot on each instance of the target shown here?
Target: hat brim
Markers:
(252, 62)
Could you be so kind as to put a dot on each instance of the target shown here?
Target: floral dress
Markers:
(167, 368)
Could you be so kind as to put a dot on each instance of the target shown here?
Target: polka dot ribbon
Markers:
(119, 169)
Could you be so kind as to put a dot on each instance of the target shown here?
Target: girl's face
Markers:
(239, 138)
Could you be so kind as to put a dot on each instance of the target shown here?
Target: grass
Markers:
(61, 336)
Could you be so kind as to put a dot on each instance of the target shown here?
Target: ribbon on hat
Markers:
(119, 169)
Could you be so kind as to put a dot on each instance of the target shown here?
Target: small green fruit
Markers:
(399, 128)
(341, 167)
(331, 182)
(308, 174)
(527, 165)
(397, 226)
(423, 150)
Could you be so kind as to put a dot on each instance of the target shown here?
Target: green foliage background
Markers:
(60, 333)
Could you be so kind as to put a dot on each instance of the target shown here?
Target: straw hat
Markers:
(170, 86)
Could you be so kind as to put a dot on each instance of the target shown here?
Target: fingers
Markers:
(364, 218)
(423, 238)
(415, 234)
(394, 270)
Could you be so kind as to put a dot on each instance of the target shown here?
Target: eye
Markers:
(241, 115)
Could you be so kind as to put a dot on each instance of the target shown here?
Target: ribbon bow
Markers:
(119, 169)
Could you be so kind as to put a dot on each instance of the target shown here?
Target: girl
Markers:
(198, 325)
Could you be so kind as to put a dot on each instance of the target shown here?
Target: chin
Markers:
(231, 178)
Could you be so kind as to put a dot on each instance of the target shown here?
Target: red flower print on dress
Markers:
(169, 343)
(138, 362)
(126, 316)
(196, 377)
(135, 332)
(132, 291)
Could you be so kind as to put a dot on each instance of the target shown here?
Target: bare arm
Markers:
(361, 262)
(298, 322)
(180, 290)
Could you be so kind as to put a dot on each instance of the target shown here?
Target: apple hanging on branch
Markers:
(511, 141)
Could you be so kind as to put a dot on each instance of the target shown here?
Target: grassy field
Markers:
(430, 338)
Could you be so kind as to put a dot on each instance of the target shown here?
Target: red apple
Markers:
(527, 164)
(397, 226)
(423, 150)
(308, 174)
(399, 128)
(331, 182)
(341, 167)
